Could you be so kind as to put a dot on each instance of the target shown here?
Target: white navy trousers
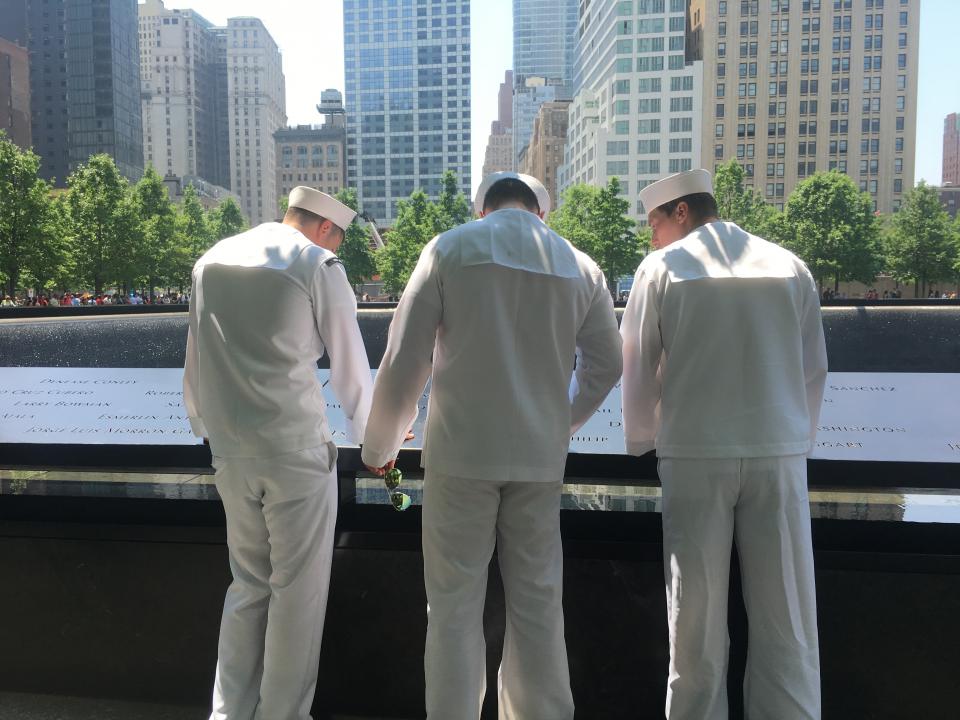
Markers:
(281, 513)
(462, 522)
(763, 503)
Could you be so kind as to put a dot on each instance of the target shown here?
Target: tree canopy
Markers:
(922, 244)
(594, 219)
(831, 225)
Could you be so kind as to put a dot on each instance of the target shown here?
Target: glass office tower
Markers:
(544, 41)
(407, 68)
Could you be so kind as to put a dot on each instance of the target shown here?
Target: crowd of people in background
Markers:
(69, 299)
(873, 294)
(87, 299)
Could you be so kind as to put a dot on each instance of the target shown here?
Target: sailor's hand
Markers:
(381, 471)
(409, 436)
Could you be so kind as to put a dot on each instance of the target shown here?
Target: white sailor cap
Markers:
(543, 197)
(675, 186)
(321, 204)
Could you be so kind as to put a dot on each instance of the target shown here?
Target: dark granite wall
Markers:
(859, 339)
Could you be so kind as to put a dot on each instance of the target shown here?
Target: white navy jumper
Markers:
(266, 305)
(724, 372)
(496, 312)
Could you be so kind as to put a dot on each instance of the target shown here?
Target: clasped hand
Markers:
(381, 471)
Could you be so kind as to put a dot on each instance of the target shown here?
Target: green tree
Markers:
(922, 242)
(572, 219)
(51, 263)
(155, 255)
(956, 231)
(192, 224)
(738, 203)
(453, 208)
(355, 251)
(416, 224)
(102, 222)
(226, 220)
(595, 220)
(24, 202)
(831, 225)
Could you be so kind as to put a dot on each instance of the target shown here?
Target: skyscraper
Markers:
(103, 83)
(256, 105)
(407, 69)
(792, 88)
(44, 37)
(499, 153)
(179, 92)
(951, 150)
(544, 36)
(222, 105)
(15, 93)
(84, 80)
(637, 112)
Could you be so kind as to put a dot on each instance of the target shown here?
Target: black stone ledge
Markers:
(580, 468)
(875, 337)
(902, 546)
(885, 336)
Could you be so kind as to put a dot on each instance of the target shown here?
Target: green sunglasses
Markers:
(392, 479)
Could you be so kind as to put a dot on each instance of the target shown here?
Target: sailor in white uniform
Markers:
(724, 370)
(266, 305)
(503, 305)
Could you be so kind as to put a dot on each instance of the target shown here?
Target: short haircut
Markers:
(510, 190)
(702, 205)
(305, 217)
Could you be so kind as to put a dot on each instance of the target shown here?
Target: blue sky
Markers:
(310, 36)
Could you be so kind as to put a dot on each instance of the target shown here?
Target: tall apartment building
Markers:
(15, 93)
(544, 154)
(84, 80)
(179, 92)
(544, 35)
(637, 113)
(256, 109)
(407, 67)
(499, 153)
(951, 150)
(314, 155)
(792, 87)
